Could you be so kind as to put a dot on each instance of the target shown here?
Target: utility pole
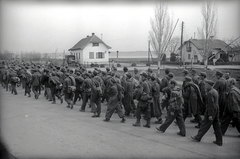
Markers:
(181, 46)
(148, 52)
(117, 57)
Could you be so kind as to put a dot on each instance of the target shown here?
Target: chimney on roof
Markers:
(92, 34)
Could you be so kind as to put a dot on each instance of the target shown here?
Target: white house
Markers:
(91, 50)
(192, 50)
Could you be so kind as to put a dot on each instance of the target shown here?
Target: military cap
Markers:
(187, 78)
(167, 70)
(170, 74)
(150, 70)
(210, 82)
(203, 74)
(117, 75)
(95, 72)
(107, 69)
(135, 69)
(58, 68)
(89, 71)
(125, 68)
(78, 73)
(185, 71)
(144, 74)
(153, 76)
(129, 75)
(219, 73)
(173, 81)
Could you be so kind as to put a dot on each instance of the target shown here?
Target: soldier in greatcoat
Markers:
(211, 116)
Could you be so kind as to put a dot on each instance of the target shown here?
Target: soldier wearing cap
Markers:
(143, 97)
(96, 94)
(164, 84)
(221, 87)
(55, 86)
(195, 77)
(174, 109)
(155, 105)
(114, 103)
(211, 116)
(203, 91)
(232, 112)
(45, 81)
(78, 92)
(136, 74)
(128, 85)
(69, 84)
(86, 94)
(35, 83)
(184, 73)
(192, 100)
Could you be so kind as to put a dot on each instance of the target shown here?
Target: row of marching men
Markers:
(218, 101)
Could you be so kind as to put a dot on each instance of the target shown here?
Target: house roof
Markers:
(215, 43)
(85, 41)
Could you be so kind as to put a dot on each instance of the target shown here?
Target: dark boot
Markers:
(137, 123)
(147, 124)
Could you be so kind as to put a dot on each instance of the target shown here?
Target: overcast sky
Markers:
(44, 26)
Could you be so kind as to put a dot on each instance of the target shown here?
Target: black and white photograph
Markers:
(112, 79)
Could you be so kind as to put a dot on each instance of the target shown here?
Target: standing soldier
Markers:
(96, 94)
(136, 74)
(221, 86)
(195, 77)
(174, 109)
(14, 80)
(45, 82)
(55, 86)
(114, 104)
(127, 101)
(192, 97)
(155, 106)
(185, 105)
(86, 90)
(211, 116)
(79, 89)
(69, 86)
(143, 96)
(35, 83)
(163, 86)
(203, 91)
(232, 112)
(28, 76)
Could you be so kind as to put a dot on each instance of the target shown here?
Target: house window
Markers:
(91, 55)
(189, 49)
(189, 56)
(95, 44)
(100, 55)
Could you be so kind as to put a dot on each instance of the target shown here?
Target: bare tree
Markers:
(208, 30)
(174, 44)
(161, 29)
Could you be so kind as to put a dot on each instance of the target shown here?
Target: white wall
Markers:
(194, 52)
(95, 49)
(84, 54)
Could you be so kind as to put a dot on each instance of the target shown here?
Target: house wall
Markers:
(82, 56)
(194, 55)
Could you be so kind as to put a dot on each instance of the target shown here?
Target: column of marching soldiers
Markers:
(218, 102)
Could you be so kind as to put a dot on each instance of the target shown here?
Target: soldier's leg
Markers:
(225, 121)
(167, 122)
(206, 124)
(53, 95)
(180, 123)
(84, 96)
(98, 103)
(217, 130)
(110, 111)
